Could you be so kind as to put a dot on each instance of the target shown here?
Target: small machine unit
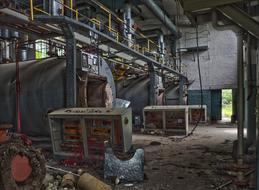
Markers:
(83, 131)
(195, 111)
(171, 119)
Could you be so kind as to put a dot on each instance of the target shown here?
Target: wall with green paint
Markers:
(211, 98)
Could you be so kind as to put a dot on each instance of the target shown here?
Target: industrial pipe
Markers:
(257, 122)
(159, 13)
(240, 135)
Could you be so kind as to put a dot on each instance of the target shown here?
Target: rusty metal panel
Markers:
(196, 113)
(173, 119)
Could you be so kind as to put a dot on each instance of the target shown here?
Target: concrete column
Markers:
(240, 68)
(70, 66)
(181, 89)
(257, 117)
(250, 91)
(152, 84)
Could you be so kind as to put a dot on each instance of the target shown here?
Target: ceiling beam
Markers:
(198, 5)
(241, 18)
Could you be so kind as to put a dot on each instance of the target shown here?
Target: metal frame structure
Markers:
(77, 33)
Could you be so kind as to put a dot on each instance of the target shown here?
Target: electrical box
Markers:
(173, 119)
(83, 131)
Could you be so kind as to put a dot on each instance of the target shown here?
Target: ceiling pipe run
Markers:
(160, 14)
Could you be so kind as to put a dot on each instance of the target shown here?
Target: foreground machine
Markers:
(98, 134)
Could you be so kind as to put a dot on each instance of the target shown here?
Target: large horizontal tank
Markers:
(42, 90)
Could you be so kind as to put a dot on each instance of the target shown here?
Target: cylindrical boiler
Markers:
(42, 90)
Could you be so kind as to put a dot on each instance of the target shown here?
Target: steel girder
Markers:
(71, 65)
(241, 18)
(197, 5)
(85, 28)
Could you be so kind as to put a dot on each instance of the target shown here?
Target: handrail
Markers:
(150, 44)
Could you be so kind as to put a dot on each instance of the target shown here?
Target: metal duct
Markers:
(159, 13)
(42, 90)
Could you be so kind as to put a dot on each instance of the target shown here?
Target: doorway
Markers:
(227, 104)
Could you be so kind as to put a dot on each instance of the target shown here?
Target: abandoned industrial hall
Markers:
(129, 94)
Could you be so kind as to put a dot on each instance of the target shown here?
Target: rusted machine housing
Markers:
(197, 113)
(170, 119)
(80, 132)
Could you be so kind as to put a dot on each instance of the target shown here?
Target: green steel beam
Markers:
(196, 5)
(241, 18)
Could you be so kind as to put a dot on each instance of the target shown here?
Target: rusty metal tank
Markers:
(43, 90)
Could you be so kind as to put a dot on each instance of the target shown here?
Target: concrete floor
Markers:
(200, 162)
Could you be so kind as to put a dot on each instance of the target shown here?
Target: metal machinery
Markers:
(174, 119)
(85, 130)
(170, 119)
(197, 113)
(43, 90)
(68, 80)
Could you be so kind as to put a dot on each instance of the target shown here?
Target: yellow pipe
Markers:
(148, 45)
(77, 14)
(110, 21)
(63, 8)
(31, 9)
(40, 10)
(71, 4)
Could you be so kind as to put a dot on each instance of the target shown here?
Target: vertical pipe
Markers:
(128, 23)
(110, 21)
(18, 113)
(152, 84)
(250, 98)
(31, 10)
(240, 68)
(257, 117)
(181, 83)
(161, 47)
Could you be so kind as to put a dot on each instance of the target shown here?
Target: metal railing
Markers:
(149, 47)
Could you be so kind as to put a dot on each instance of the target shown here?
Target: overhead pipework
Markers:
(128, 30)
(160, 14)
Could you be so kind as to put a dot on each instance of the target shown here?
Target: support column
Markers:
(181, 89)
(70, 65)
(240, 68)
(257, 117)
(250, 98)
(152, 84)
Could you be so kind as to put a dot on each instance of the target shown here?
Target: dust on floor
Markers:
(199, 162)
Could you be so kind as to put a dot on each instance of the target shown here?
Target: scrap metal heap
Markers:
(22, 167)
